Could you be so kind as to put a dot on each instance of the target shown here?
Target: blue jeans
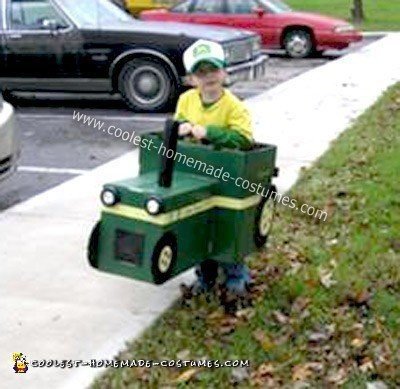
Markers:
(237, 275)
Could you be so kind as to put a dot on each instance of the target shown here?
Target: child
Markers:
(211, 113)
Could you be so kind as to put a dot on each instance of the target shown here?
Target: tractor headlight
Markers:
(153, 206)
(109, 197)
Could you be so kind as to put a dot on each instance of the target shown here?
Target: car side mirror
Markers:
(49, 24)
(259, 11)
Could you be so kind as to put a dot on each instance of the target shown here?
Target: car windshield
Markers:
(93, 13)
(275, 6)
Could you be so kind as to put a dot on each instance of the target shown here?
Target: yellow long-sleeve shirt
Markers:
(227, 121)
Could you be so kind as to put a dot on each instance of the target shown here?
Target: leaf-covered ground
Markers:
(327, 295)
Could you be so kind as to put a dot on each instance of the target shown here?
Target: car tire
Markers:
(147, 85)
(9, 96)
(298, 43)
(264, 218)
(93, 247)
(164, 258)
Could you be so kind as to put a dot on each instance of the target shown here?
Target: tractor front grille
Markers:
(129, 247)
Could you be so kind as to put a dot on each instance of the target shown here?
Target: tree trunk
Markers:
(357, 12)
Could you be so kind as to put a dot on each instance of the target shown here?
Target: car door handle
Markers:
(15, 36)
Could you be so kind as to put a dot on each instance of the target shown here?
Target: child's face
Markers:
(208, 78)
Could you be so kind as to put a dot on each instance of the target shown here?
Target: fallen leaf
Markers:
(330, 328)
(337, 377)
(263, 376)
(184, 354)
(332, 242)
(225, 330)
(294, 268)
(216, 316)
(223, 324)
(357, 327)
(141, 373)
(301, 372)
(361, 298)
(366, 365)
(187, 375)
(304, 314)
(376, 385)
(300, 385)
(358, 342)
(292, 254)
(318, 337)
(325, 277)
(300, 304)
(263, 339)
(227, 325)
(239, 374)
(265, 369)
(245, 314)
(311, 283)
(318, 367)
(280, 317)
(282, 339)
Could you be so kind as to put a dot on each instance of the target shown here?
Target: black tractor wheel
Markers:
(298, 43)
(147, 85)
(264, 217)
(93, 247)
(164, 258)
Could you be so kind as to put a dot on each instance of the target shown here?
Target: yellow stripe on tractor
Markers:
(222, 202)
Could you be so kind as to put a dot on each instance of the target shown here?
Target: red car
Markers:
(299, 33)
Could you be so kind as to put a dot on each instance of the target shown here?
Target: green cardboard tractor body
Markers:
(200, 216)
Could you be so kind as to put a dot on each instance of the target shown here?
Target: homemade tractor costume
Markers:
(190, 208)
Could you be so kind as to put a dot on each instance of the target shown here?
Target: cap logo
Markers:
(201, 50)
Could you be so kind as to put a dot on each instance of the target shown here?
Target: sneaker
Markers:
(237, 279)
(207, 274)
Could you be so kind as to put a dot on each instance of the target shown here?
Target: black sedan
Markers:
(93, 46)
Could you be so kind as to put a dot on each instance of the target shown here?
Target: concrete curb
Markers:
(55, 307)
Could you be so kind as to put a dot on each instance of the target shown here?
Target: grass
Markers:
(327, 294)
(380, 15)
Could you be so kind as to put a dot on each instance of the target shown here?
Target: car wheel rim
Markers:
(298, 45)
(165, 259)
(147, 85)
(266, 217)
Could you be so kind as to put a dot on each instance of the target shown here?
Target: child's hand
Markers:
(199, 132)
(185, 129)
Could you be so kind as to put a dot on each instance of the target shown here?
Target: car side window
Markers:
(34, 15)
(208, 6)
(182, 7)
(241, 6)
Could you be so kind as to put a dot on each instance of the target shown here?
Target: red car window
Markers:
(242, 6)
(207, 6)
(181, 7)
